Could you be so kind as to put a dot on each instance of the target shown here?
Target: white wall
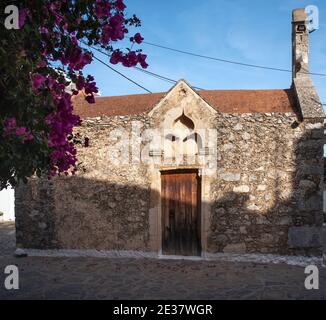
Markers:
(7, 204)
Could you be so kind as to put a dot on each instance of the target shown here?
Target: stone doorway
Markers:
(181, 212)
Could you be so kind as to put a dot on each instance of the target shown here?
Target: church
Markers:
(189, 173)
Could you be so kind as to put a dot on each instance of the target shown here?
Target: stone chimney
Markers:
(300, 43)
(306, 94)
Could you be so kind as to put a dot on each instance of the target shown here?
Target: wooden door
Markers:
(181, 199)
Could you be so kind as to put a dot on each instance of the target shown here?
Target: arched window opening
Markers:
(182, 140)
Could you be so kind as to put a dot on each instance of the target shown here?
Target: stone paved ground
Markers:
(102, 278)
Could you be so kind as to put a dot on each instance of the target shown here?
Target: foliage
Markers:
(37, 64)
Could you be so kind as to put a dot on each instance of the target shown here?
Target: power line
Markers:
(161, 77)
(153, 74)
(121, 74)
(156, 75)
(116, 71)
(228, 61)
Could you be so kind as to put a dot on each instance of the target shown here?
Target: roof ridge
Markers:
(130, 95)
(206, 90)
(224, 101)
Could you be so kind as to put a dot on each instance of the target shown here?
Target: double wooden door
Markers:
(181, 202)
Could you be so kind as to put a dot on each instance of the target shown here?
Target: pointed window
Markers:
(183, 140)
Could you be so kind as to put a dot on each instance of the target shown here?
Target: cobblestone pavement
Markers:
(102, 278)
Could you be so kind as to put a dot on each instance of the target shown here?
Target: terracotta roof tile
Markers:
(117, 105)
(245, 101)
(226, 101)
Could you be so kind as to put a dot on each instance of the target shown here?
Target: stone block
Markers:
(246, 136)
(230, 176)
(304, 237)
(285, 221)
(238, 127)
(20, 253)
(235, 248)
(243, 230)
(241, 189)
(221, 238)
(262, 187)
(220, 211)
(268, 238)
(253, 207)
(261, 220)
(312, 204)
(307, 185)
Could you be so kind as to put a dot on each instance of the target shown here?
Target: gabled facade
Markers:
(189, 173)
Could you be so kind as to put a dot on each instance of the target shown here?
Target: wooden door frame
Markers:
(200, 205)
(155, 211)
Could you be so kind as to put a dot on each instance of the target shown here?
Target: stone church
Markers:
(189, 173)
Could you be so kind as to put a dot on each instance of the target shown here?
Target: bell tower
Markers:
(300, 43)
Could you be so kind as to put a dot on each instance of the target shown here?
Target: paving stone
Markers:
(127, 278)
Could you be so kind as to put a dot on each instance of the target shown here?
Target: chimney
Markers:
(306, 95)
(300, 43)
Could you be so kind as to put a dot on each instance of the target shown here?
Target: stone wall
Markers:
(265, 197)
(105, 206)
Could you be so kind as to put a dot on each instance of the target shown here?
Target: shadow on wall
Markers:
(81, 213)
(284, 215)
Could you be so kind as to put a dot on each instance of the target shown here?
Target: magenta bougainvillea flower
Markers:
(120, 5)
(12, 130)
(102, 23)
(137, 38)
(38, 80)
(23, 14)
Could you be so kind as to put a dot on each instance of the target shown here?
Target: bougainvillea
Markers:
(38, 62)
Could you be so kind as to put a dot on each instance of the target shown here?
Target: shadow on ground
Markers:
(102, 278)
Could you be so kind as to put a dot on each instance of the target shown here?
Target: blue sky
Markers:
(254, 32)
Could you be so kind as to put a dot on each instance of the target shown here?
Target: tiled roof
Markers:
(226, 101)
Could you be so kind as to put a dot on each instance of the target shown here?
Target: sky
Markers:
(250, 31)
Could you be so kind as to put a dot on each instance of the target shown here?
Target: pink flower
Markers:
(130, 59)
(23, 14)
(44, 30)
(120, 5)
(42, 64)
(116, 57)
(141, 60)
(90, 99)
(102, 9)
(24, 134)
(11, 129)
(38, 80)
(21, 131)
(78, 59)
(115, 30)
(10, 123)
(117, 20)
(74, 40)
(87, 58)
(90, 87)
(138, 38)
(80, 84)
